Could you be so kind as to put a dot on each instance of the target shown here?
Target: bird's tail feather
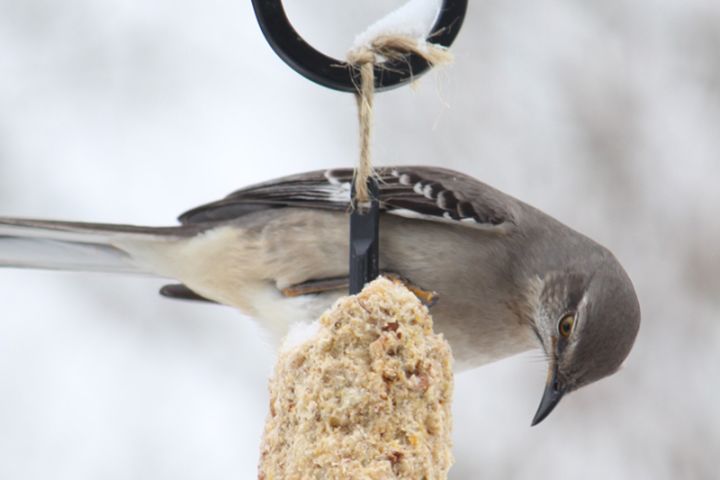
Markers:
(92, 247)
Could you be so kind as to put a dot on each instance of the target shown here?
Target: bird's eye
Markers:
(566, 325)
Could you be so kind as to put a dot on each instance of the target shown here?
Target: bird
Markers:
(507, 278)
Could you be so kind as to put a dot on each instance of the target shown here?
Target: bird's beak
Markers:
(551, 397)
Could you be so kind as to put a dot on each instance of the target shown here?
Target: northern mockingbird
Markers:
(509, 278)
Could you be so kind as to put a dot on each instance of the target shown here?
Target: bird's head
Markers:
(586, 324)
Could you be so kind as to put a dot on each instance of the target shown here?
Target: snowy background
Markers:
(605, 114)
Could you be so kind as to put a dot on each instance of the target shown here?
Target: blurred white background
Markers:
(604, 114)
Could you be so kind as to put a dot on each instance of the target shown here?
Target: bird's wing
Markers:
(427, 193)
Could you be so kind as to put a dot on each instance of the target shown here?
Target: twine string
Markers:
(365, 59)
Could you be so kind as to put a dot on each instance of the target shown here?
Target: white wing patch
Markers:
(408, 195)
(337, 192)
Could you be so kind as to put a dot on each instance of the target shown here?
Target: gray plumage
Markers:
(506, 273)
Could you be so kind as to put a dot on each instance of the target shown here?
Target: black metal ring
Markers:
(336, 74)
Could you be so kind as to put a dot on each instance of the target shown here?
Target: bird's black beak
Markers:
(551, 397)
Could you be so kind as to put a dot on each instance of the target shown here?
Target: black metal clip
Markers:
(364, 239)
(336, 74)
